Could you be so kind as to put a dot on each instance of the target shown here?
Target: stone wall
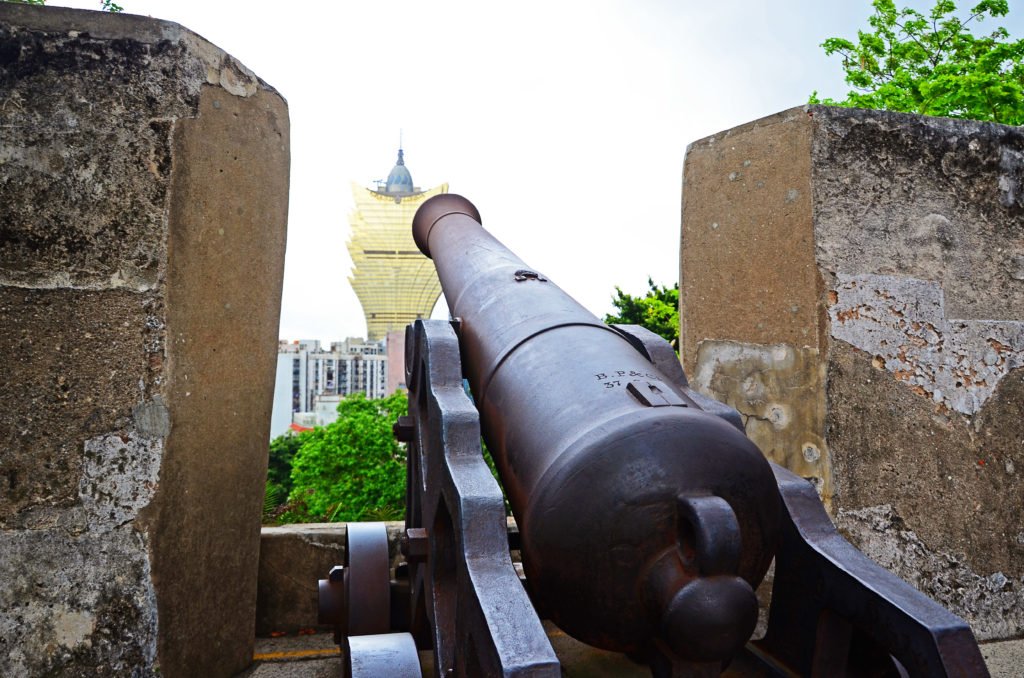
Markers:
(853, 283)
(143, 202)
(293, 558)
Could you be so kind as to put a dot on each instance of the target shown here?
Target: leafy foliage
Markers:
(272, 495)
(279, 476)
(933, 65)
(658, 311)
(349, 470)
(352, 469)
(279, 467)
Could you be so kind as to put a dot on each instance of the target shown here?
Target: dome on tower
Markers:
(399, 181)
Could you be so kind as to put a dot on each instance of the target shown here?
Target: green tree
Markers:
(352, 469)
(658, 311)
(279, 465)
(933, 65)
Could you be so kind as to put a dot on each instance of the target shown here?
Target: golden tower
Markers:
(395, 283)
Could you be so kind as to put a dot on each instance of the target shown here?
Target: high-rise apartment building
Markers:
(395, 283)
(312, 380)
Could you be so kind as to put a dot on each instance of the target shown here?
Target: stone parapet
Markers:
(293, 558)
(853, 283)
(143, 203)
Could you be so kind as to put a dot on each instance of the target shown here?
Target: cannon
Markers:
(644, 518)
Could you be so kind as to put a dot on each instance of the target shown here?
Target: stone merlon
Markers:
(853, 283)
(143, 208)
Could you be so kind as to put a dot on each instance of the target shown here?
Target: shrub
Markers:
(352, 469)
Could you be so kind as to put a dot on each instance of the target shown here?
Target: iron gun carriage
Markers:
(646, 518)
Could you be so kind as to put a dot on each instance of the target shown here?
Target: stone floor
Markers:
(1005, 659)
(316, 656)
(306, 656)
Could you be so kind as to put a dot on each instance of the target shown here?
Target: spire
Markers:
(399, 180)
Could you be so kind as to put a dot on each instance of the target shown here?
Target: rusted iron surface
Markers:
(367, 579)
(834, 611)
(645, 517)
(377, 655)
(663, 356)
(597, 450)
(356, 598)
(833, 608)
(466, 599)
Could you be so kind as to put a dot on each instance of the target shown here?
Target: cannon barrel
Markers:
(645, 521)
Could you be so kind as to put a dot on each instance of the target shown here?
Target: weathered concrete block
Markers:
(853, 283)
(293, 558)
(143, 202)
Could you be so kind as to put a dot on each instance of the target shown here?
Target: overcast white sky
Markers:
(564, 121)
